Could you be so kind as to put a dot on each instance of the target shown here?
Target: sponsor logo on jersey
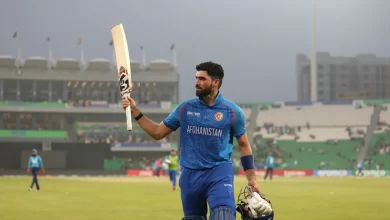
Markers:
(193, 113)
(204, 131)
(218, 116)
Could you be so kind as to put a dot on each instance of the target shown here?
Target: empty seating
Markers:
(316, 116)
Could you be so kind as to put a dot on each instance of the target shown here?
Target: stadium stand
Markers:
(321, 115)
(71, 100)
(316, 135)
(380, 150)
(113, 132)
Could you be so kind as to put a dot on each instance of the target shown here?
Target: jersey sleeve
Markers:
(173, 119)
(239, 127)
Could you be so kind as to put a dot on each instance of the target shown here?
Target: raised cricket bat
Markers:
(123, 66)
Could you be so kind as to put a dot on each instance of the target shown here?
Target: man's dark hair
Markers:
(213, 69)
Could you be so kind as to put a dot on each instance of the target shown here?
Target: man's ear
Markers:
(216, 82)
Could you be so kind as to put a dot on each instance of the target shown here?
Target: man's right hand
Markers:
(128, 101)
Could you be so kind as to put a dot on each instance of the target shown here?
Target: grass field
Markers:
(151, 198)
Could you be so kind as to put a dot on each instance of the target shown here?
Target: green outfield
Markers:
(142, 198)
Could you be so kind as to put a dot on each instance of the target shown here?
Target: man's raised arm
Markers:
(156, 130)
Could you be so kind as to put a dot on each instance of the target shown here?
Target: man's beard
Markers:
(204, 92)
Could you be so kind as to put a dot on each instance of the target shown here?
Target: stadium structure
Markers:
(68, 108)
(71, 112)
(364, 76)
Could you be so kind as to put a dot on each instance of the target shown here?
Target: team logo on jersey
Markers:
(218, 116)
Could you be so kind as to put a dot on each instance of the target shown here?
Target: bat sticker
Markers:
(124, 80)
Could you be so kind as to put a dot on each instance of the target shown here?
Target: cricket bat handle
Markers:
(128, 117)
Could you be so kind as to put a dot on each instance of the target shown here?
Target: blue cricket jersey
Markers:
(270, 162)
(360, 164)
(35, 162)
(206, 132)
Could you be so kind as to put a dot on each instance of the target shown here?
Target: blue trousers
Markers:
(270, 171)
(213, 186)
(172, 176)
(34, 172)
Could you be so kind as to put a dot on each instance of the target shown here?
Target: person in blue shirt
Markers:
(207, 125)
(360, 168)
(35, 164)
(269, 163)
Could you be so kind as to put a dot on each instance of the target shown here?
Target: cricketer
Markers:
(207, 125)
(269, 162)
(173, 166)
(35, 164)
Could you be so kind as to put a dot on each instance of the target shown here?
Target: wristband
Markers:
(248, 162)
(139, 116)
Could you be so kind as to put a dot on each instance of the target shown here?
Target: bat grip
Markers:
(128, 119)
(129, 123)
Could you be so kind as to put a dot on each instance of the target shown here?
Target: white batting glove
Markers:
(252, 212)
(260, 205)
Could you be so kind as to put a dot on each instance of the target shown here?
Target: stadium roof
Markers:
(135, 66)
(67, 64)
(99, 64)
(7, 61)
(36, 62)
(160, 65)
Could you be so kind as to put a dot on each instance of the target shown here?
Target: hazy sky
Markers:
(256, 41)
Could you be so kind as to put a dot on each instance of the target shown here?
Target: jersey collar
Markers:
(218, 99)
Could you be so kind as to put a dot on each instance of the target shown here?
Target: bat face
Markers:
(124, 83)
(123, 66)
(122, 59)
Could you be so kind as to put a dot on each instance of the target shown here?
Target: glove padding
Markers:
(259, 206)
